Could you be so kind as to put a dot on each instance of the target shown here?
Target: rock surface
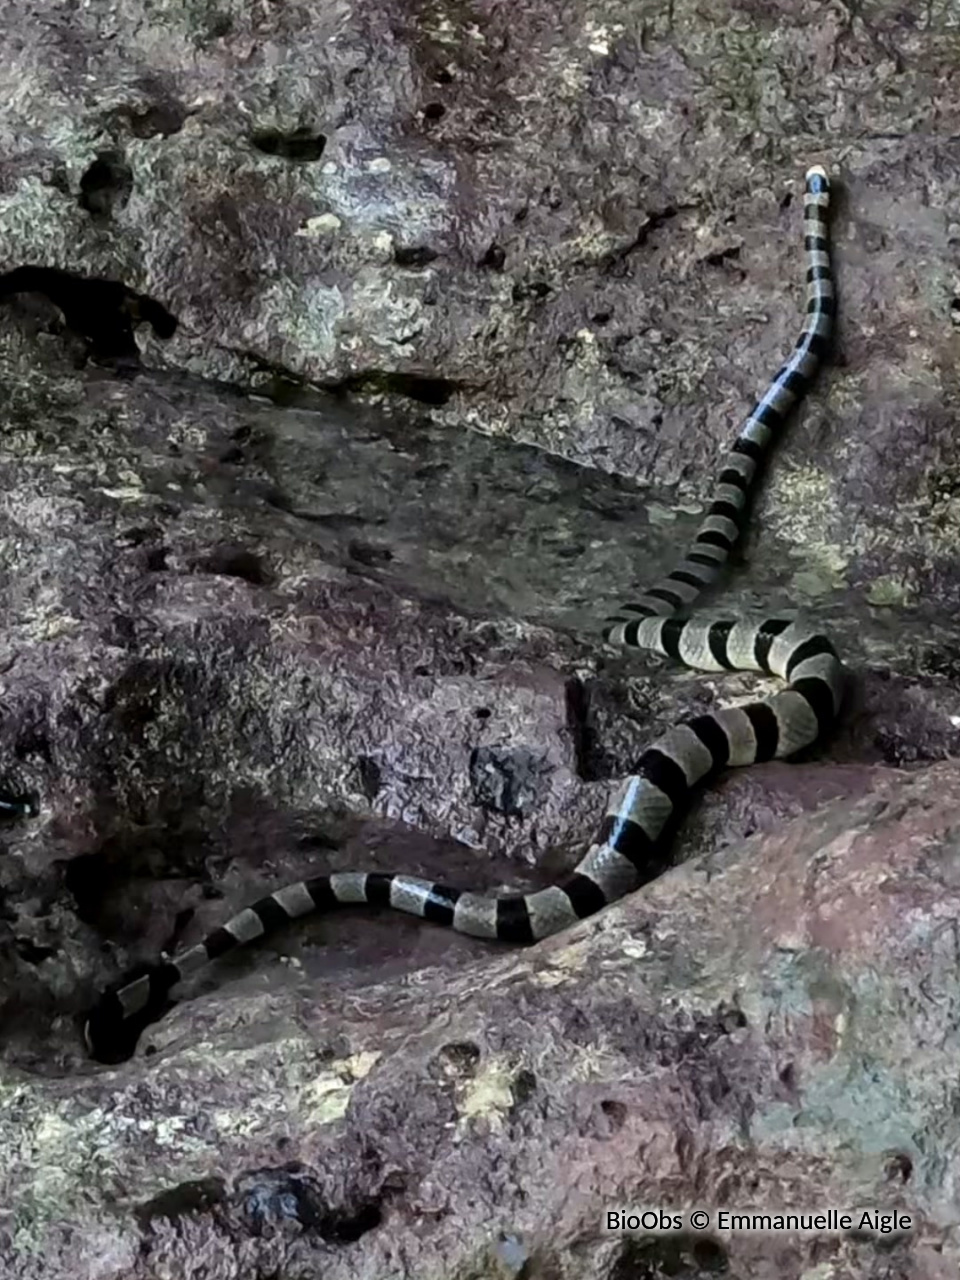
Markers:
(468, 301)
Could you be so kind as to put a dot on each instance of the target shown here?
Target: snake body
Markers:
(631, 847)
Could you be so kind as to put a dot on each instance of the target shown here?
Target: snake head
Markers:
(115, 1023)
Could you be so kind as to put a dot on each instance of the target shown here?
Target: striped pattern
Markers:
(720, 530)
(632, 846)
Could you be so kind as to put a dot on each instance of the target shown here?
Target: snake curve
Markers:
(631, 847)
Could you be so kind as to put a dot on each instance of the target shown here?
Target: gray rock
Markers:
(467, 304)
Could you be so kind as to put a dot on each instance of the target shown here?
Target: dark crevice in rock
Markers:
(494, 258)
(523, 1087)
(106, 185)
(236, 562)
(414, 255)
(136, 535)
(303, 144)
(615, 1113)
(216, 25)
(109, 884)
(681, 1254)
(33, 742)
(458, 1060)
(348, 1227)
(413, 386)
(581, 731)
(367, 554)
(102, 312)
(730, 254)
(898, 1167)
(320, 840)
(86, 878)
(162, 117)
(655, 219)
(186, 1199)
(535, 289)
(267, 1197)
(155, 559)
(371, 777)
(31, 952)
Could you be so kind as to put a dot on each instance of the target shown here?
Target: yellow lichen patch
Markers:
(49, 628)
(328, 1094)
(821, 579)
(124, 495)
(562, 965)
(442, 29)
(571, 959)
(166, 1131)
(805, 503)
(573, 79)
(634, 948)
(359, 1065)
(659, 514)
(322, 225)
(551, 978)
(887, 590)
(599, 36)
(489, 1095)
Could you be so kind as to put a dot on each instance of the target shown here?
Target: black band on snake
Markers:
(632, 845)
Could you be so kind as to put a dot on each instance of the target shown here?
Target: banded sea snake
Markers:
(632, 846)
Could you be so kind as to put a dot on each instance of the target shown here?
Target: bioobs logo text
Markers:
(644, 1220)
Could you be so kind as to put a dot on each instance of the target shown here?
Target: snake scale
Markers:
(632, 845)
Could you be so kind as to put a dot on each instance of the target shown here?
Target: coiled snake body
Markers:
(631, 847)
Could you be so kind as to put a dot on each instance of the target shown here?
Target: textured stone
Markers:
(468, 301)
